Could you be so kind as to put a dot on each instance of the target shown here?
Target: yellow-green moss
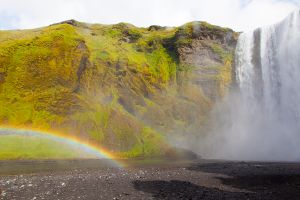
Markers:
(95, 80)
(224, 75)
(40, 76)
(150, 144)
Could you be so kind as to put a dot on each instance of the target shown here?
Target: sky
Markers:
(240, 15)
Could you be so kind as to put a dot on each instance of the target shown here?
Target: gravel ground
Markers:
(201, 179)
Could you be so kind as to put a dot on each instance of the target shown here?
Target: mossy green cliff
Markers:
(125, 88)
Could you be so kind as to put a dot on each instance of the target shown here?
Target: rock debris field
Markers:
(201, 179)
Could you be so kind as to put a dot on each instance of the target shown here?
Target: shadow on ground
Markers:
(266, 180)
(185, 190)
(252, 180)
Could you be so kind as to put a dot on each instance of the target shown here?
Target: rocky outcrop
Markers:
(210, 53)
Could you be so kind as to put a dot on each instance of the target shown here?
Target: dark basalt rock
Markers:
(70, 22)
(156, 28)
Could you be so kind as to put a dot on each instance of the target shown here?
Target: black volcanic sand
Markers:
(96, 179)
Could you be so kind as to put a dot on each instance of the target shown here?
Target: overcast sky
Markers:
(240, 15)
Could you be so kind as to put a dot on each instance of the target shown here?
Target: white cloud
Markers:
(241, 15)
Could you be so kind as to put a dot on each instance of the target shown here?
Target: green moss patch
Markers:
(16, 147)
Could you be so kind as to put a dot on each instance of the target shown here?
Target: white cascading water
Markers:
(261, 118)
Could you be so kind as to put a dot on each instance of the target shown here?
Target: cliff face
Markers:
(119, 86)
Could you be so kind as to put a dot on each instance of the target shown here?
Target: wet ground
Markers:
(97, 179)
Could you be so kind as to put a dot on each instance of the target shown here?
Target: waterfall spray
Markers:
(260, 120)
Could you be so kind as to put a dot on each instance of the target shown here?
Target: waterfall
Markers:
(260, 120)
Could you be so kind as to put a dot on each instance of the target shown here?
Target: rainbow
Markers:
(98, 152)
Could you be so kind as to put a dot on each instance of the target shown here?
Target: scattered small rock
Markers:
(3, 193)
